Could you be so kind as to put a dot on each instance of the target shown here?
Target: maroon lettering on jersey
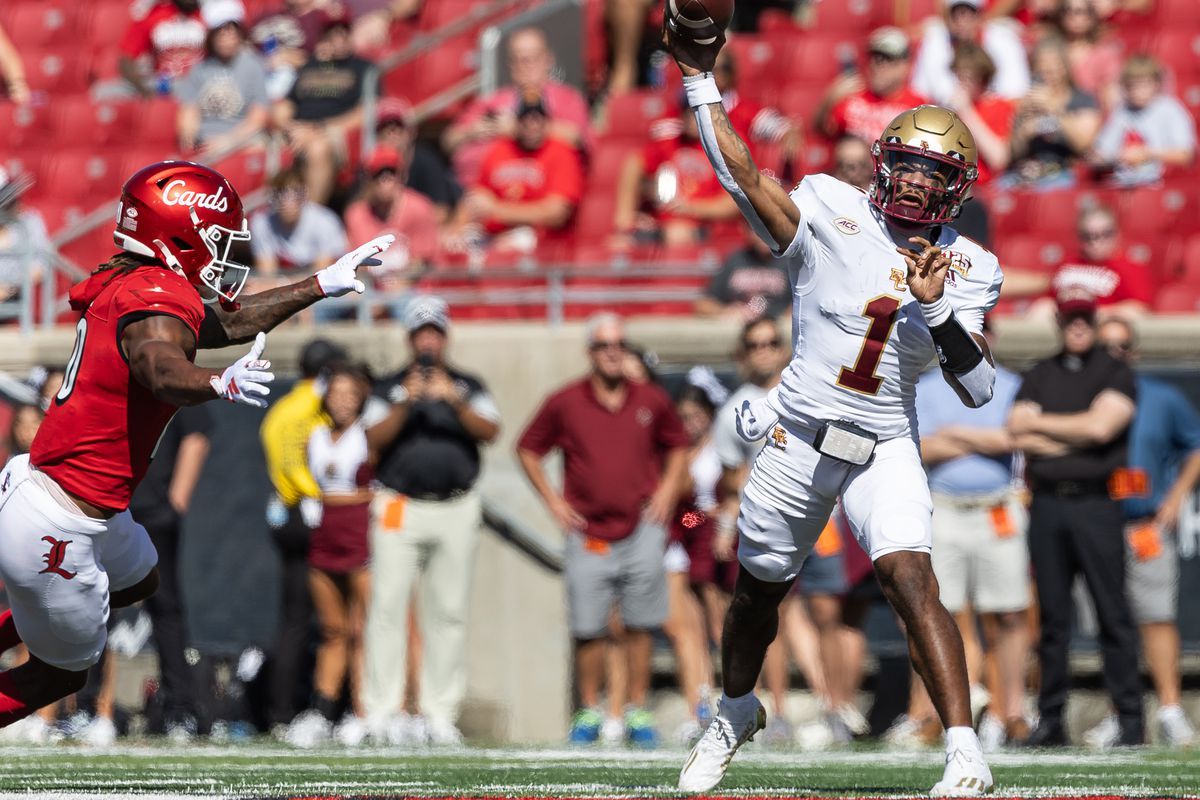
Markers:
(102, 427)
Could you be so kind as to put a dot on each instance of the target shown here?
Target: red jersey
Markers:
(997, 112)
(669, 155)
(174, 39)
(1112, 281)
(865, 114)
(513, 174)
(102, 427)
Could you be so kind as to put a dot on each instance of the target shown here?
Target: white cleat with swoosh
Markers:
(706, 764)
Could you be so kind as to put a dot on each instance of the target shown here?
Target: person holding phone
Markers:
(425, 519)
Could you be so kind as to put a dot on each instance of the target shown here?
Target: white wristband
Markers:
(937, 312)
(701, 89)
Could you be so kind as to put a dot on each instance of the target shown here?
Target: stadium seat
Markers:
(852, 16)
(156, 123)
(594, 219)
(57, 70)
(107, 21)
(1178, 299)
(799, 103)
(1174, 15)
(1179, 50)
(629, 115)
(1151, 211)
(25, 126)
(33, 26)
(1034, 253)
(107, 124)
(757, 58)
(1053, 212)
(819, 58)
(1190, 261)
(84, 176)
(607, 161)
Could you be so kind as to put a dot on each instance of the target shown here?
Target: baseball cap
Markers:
(393, 109)
(1074, 303)
(216, 13)
(427, 310)
(384, 158)
(975, 4)
(888, 41)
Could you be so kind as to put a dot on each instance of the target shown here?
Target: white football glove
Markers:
(245, 380)
(312, 511)
(342, 277)
(755, 419)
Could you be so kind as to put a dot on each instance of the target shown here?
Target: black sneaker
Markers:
(1133, 732)
(1048, 733)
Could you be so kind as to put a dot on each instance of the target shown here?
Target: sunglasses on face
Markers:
(1096, 236)
(762, 344)
(1119, 347)
(619, 344)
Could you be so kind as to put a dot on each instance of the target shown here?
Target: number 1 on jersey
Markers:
(861, 377)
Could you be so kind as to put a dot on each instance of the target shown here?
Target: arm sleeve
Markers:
(542, 434)
(805, 244)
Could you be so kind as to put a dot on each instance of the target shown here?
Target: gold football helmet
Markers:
(925, 162)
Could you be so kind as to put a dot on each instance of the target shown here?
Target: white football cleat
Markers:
(706, 764)
(308, 730)
(966, 775)
(1174, 727)
(100, 732)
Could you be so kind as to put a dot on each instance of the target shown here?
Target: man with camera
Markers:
(425, 519)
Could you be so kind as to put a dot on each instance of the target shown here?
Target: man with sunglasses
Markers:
(882, 285)
(624, 465)
(1164, 464)
(859, 105)
(1119, 286)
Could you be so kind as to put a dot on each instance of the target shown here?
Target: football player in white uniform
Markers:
(881, 286)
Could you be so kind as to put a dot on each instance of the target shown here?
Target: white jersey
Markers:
(335, 464)
(859, 339)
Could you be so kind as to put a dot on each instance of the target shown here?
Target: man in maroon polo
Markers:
(625, 461)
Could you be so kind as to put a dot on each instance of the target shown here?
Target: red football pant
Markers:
(8, 632)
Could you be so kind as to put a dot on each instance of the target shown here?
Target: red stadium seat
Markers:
(1151, 211)
(594, 219)
(607, 161)
(1179, 51)
(1031, 253)
(1190, 266)
(819, 58)
(85, 176)
(1053, 212)
(1178, 299)
(799, 103)
(107, 124)
(757, 60)
(1174, 15)
(33, 26)
(852, 16)
(106, 21)
(155, 123)
(23, 126)
(58, 70)
(630, 115)
(434, 71)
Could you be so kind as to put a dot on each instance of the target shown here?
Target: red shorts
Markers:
(340, 543)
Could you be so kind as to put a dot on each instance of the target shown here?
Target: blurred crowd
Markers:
(1056, 503)
(1055, 97)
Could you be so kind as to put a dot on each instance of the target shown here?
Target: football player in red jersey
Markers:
(69, 549)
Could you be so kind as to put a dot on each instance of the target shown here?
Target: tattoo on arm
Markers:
(737, 154)
(257, 312)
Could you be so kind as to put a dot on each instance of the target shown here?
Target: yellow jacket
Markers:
(285, 432)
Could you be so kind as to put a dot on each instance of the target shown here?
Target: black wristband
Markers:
(957, 351)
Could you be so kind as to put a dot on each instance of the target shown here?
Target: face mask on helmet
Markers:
(223, 276)
(918, 187)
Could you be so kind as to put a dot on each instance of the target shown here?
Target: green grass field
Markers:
(266, 770)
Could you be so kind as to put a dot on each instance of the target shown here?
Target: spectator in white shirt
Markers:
(1148, 132)
(1001, 38)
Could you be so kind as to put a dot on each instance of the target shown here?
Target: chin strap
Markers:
(959, 355)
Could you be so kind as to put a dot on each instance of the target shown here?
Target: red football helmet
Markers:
(189, 216)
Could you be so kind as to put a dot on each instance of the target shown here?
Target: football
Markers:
(699, 20)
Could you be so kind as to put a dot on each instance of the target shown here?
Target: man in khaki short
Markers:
(980, 554)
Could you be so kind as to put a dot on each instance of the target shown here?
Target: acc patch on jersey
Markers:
(846, 225)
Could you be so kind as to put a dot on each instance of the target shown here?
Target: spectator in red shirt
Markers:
(494, 116)
(171, 36)
(989, 116)
(672, 179)
(863, 108)
(625, 463)
(388, 206)
(1121, 287)
(528, 186)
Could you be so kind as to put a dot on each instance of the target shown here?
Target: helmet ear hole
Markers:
(181, 244)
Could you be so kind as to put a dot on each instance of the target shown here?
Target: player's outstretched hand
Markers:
(342, 277)
(692, 58)
(926, 269)
(245, 380)
(755, 419)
